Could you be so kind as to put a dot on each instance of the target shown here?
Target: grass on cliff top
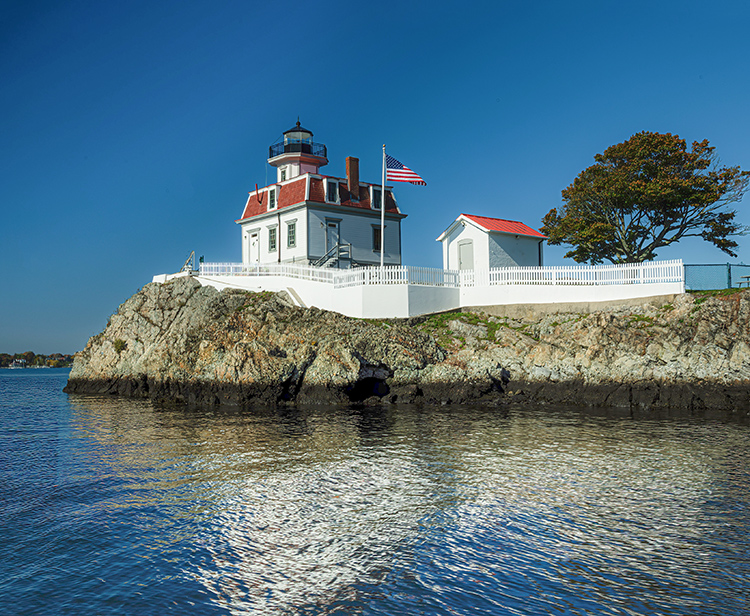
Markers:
(716, 293)
(253, 298)
(639, 320)
(437, 326)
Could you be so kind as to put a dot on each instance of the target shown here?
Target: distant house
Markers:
(477, 242)
(309, 218)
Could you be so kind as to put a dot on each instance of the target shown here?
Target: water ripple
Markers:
(120, 507)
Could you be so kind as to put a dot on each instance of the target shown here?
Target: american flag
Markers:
(398, 172)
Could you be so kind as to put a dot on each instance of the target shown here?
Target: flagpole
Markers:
(382, 213)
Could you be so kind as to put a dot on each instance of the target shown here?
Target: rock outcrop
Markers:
(187, 343)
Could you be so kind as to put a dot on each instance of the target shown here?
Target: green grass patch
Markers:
(376, 322)
(640, 320)
(704, 295)
(437, 326)
(254, 298)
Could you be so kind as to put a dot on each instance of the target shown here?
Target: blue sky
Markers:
(133, 131)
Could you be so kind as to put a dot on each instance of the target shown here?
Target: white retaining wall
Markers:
(399, 292)
(546, 294)
(364, 301)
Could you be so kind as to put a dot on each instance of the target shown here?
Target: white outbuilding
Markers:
(480, 243)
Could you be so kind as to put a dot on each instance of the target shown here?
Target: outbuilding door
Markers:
(466, 255)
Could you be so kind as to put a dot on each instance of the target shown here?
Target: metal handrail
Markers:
(325, 257)
(341, 250)
(296, 145)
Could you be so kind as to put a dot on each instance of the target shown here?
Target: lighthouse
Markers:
(296, 154)
(310, 218)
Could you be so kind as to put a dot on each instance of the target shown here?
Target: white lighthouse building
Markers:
(309, 218)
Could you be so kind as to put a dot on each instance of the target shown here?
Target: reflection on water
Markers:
(295, 507)
(313, 508)
(452, 510)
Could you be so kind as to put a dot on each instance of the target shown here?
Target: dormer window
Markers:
(332, 191)
(272, 199)
(376, 200)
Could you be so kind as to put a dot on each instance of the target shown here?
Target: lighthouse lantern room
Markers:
(296, 153)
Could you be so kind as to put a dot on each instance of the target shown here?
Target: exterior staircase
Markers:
(339, 256)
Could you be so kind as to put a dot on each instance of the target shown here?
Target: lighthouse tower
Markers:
(296, 154)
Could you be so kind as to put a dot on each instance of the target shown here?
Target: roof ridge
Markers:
(492, 218)
(503, 225)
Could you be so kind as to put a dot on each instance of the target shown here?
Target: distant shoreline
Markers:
(67, 367)
(29, 359)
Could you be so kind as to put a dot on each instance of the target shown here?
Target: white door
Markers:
(466, 256)
(254, 248)
(332, 235)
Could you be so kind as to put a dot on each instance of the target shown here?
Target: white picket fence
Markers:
(397, 274)
(288, 270)
(593, 275)
(630, 273)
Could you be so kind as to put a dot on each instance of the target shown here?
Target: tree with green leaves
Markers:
(646, 193)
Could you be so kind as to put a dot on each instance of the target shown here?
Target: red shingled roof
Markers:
(289, 194)
(292, 193)
(345, 197)
(504, 226)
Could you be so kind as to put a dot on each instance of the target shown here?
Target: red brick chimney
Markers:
(352, 177)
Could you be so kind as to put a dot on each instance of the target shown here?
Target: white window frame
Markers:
(338, 190)
(374, 189)
(273, 232)
(291, 239)
(273, 194)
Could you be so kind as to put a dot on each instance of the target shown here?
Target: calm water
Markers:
(119, 507)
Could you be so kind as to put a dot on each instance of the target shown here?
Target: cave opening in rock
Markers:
(366, 388)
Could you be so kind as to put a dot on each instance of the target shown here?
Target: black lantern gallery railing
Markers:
(296, 145)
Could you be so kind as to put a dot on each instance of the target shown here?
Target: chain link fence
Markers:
(707, 277)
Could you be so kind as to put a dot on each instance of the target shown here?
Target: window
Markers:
(272, 199)
(283, 174)
(332, 195)
(376, 239)
(291, 235)
(375, 198)
(272, 239)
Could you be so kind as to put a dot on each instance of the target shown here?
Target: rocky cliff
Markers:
(187, 343)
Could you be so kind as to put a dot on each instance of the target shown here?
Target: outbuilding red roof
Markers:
(504, 226)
